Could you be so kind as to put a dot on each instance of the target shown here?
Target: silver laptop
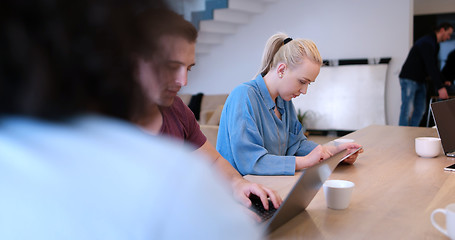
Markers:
(444, 118)
(301, 194)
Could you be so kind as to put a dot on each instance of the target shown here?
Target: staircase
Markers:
(218, 18)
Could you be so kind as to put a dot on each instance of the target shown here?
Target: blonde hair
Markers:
(291, 53)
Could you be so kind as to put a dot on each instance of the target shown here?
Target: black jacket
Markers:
(422, 62)
(449, 68)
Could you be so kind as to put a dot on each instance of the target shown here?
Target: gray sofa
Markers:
(211, 107)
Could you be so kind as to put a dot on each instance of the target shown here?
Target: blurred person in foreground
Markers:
(72, 166)
(162, 74)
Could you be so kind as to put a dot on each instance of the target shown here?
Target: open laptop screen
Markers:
(305, 189)
(444, 117)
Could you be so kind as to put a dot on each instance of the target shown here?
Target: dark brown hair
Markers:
(155, 23)
(444, 25)
(59, 58)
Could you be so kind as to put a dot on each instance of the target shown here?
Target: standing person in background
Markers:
(422, 63)
(162, 74)
(259, 131)
(448, 71)
(72, 166)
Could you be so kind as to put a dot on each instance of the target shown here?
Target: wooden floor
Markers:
(321, 139)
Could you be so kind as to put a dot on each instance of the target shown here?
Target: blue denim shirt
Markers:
(253, 139)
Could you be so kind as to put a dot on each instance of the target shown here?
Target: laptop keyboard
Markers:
(451, 154)
(259, 209)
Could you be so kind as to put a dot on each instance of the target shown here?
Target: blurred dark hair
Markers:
(154, 23)
(62, 58)
(444, 25)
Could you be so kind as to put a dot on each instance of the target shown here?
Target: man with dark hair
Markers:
(422, 63)
(72, 166)
(162, 75)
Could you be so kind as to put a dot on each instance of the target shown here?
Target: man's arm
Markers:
(428, 53)
(242, 188)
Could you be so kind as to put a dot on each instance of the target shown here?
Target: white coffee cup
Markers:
(428, 147)
(449, 211)
(338, 193)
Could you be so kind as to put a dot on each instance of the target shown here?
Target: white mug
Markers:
(338, 193)
(449, 211)
(428, 147)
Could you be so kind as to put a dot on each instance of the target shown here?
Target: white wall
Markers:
(341, 29)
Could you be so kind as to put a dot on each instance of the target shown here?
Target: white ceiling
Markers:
(422, 7)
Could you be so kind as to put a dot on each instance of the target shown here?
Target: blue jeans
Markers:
(413, 102)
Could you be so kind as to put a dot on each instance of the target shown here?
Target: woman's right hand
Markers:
(316, 156)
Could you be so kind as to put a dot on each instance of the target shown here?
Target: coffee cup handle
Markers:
(435, 224)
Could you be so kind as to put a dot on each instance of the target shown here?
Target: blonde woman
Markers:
(259, 131)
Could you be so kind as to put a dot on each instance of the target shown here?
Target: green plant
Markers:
(301, 116)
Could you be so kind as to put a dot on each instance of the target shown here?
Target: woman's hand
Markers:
(316, 156)
(320, 153)
(351, 147)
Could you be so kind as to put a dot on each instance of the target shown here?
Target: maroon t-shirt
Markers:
(179, 122)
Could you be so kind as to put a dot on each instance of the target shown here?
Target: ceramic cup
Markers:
(428, 147)
(338, 193)
(449, 211)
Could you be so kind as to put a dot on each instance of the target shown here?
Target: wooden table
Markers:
(395, 191)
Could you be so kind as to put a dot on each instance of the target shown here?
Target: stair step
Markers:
(247, 6)
(223, 17)
(210, 38)
(217, 27)
(202, 48)
(231, 16)
(207, 13)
